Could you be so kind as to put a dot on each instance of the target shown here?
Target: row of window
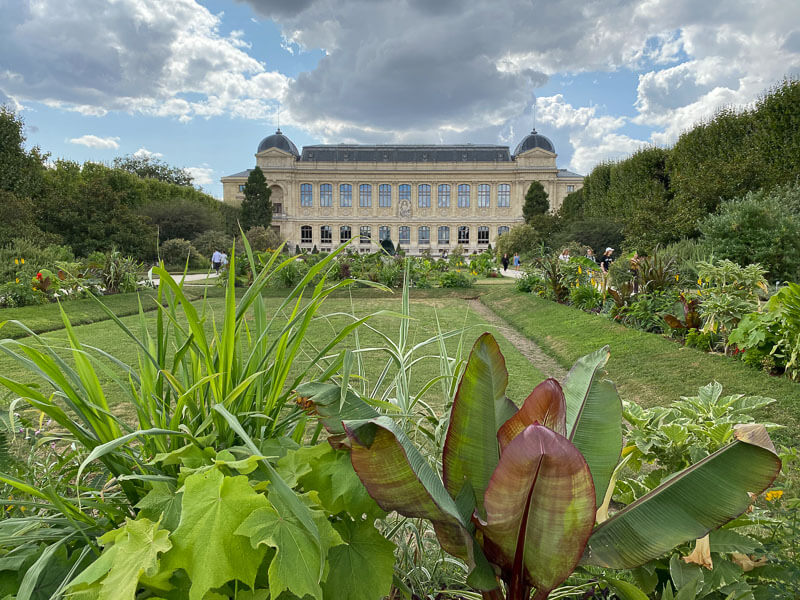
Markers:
(404, 234)
(464, 195)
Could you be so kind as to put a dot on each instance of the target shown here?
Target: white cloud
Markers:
(93, 141)
(201, 175)
(145, 153)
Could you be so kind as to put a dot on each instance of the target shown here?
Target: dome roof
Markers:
(279, 141)
(534, 140)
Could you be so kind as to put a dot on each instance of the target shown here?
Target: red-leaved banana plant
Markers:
(519, 489)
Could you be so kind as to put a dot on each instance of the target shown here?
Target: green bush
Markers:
(20, 293)
(209, 241)
(35, 258)
(702, 341)
(530, 282)
(175, 252)
(455, 279)
(586, 297)
(261, 239)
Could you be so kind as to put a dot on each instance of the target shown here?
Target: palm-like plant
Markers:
(521, 489)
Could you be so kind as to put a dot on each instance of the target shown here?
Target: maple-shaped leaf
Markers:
(205, 544)
(130, 552)
(162, 502)
(296, 566)
(361, 568)
(333, 477)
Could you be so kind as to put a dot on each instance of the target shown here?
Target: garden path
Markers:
(527, 348)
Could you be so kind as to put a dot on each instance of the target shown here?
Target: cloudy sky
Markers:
(198, 83)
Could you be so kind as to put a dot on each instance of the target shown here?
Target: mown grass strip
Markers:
(647, 368)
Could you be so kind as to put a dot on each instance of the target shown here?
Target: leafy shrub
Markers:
(586, 297)
(523, 239)
(705, 341)
(646, 311)
(175, 253)
(209, 241)
(23, 258)
(20, 293)
(117, 273)
(261, 239)
(455, 279)
(531, 281)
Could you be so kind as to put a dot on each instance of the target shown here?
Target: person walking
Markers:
(590, 255)
(605, 262)
(216, 261)
(504, 262)
(516, 261)
(564, 256)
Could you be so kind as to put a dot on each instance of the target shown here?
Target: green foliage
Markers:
(256, 206)
(760, 227)
(646, 310)
(176, 252)
(117, 273)
(530, 282)
(701, 340)
(597, 233)
(209, 241)
(522, 239)
(149, 167)
(572, 207)
(19, 218)
(536, 201)
(586, 297)
(21, 170)
(262, 239)
(456, 279)
(541, 454)
(23, 258)
(182, 218)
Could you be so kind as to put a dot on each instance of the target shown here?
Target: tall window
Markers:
(384, 233)
(241, 187)
(483, 235)
(345, 233)
(305, 234)
(325, 234)
(424, 235)
(570, 188)
(345, 195)
(404, 192)
(365, 195)
(306, 197)
(424, 195)
(326, 194)
(463, 234)
(504, 195)
(366, 234)
(502, 229)
(404, 237)
(444, 236)
(444, 195)
(463, 195)
(384, 195)
(484, 193)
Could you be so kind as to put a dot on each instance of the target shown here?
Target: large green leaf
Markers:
(545, 405)
(131, 552)
(479, 409)
(295, 566)
(205, 544)
(690, 504)
(399, 478)
(361, 568)
(594, 417)
(539, 511)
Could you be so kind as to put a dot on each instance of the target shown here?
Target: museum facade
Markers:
(422, 197)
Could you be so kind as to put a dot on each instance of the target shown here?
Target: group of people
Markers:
(218, 260)
(504, 261)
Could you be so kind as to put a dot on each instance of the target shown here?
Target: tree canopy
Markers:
(256, 206)
(148, 167)
(536, 202)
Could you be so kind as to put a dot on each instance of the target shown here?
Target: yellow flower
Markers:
(677, 277)
(23, 261)
(579, 270)
(17, 279)
(16, 261)
(592, 281)
(699, 281)
(773, 495)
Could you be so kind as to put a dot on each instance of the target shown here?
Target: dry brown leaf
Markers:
(747, 563)
(701, 555)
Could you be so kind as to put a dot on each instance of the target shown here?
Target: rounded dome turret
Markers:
(279, 141)
(534, 140)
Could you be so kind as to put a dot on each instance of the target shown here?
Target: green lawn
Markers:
(647, 368)
(426, 305)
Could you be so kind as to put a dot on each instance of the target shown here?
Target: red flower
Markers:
(39, 276)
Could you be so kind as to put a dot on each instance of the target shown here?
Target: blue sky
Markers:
(198, 83)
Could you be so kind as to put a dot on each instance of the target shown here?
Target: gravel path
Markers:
(529, 350)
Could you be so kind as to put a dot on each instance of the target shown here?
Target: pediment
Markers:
(274, 153)
(537, 152)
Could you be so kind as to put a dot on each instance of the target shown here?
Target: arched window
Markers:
(424, 236)
(403, 192)
(424, 195)
(385, 195)
(306, 195)
(326, 194)
(502, 229)
(483, 235)
(504, 195)
(444, 196)
(365, 195)
(463, 234)
(404, 235)
(484, 193)
(384, 233)
(345, 233)
(305, 234)
(345, 195)
(365, 234)
(463, 195)
(325, 234)
(444, 236)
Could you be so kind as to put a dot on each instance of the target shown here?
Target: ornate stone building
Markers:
(422, 197)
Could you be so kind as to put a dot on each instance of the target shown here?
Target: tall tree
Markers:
(148, 167)
(536, 201)
(256, 206)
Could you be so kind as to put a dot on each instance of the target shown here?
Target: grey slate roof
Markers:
(565, 173)
(241, 174)
(279, 141)
(405, 153)
(534, 140)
